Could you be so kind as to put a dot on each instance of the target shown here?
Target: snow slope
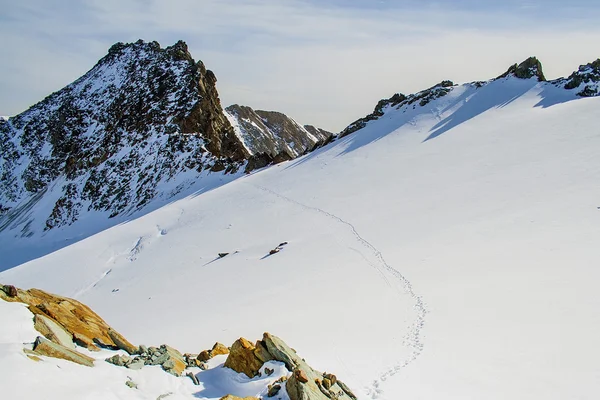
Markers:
(444, 251)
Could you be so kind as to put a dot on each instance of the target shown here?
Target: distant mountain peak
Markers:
(272, 137)
(586, 80)
(531, 67)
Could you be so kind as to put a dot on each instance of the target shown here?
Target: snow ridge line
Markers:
(413, 339)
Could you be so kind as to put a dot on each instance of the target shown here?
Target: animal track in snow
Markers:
(413, 338)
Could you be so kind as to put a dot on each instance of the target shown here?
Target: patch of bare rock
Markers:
(304, 383)
(65, 324)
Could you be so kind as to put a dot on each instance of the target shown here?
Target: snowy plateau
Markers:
(445, 247)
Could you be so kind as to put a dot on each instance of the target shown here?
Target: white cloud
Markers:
(321, 65)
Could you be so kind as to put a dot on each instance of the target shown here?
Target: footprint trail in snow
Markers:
(413, 339)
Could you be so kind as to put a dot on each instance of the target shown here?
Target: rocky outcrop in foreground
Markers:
(65, 324)
(304, 383)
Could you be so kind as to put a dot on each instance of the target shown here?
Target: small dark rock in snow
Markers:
(282, 244)
(269, 371)
(275, 250)
(221, 255)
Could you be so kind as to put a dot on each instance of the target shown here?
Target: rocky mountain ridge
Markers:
(274, 133)
(145, 123)
(585, 82)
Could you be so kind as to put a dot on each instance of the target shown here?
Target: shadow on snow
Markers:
(471, 103)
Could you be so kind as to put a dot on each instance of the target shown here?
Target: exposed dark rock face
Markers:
(528, 69)
(262, 160)
(586, 80)
(399, 100)
(271, 134)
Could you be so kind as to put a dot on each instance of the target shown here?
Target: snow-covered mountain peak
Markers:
(108, 141)
(585, 81)
(530, 68)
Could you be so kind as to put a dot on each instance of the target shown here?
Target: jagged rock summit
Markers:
(585, 82)
(145, 123)
(530, 68)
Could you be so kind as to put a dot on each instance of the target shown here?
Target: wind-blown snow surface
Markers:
(442, 252)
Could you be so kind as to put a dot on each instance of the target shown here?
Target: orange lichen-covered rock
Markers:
(217, 350)
(242, 358)
(86, 327)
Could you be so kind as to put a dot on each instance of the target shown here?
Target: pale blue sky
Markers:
(325, 62)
